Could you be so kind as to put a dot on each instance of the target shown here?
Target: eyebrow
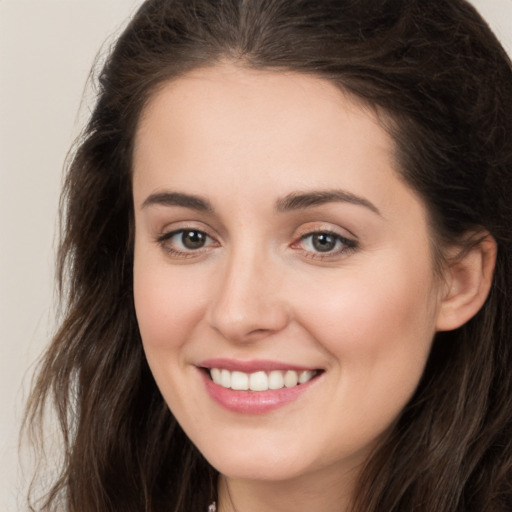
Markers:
(298, 201)
(291, 202)
(178, 199)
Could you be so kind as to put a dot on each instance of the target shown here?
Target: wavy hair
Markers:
(444, 84)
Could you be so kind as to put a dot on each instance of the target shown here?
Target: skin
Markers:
(364, 313)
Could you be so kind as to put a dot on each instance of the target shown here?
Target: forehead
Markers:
(259, 99)
(281, 88)
(234, 116)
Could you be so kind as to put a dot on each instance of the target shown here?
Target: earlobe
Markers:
(468, 281)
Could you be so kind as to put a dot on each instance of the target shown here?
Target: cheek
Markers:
(365, 311)
(168, 305)
(168, 312)
(378, 331)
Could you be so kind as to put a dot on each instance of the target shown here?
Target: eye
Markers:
(322, 242)
(185, 241)
(325, 243)
(192, 239)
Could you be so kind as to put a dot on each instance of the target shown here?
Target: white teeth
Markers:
(216, 375)
(225, 378)
(291, 379)
(305, 376)
(260, 381)
(275, 380)
(239, 381)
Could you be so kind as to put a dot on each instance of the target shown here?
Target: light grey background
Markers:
(47, 48)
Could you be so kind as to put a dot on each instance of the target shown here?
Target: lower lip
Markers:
(254, 402)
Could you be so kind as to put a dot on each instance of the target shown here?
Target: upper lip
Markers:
(251, 366)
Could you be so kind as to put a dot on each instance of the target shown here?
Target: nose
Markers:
(249, 304)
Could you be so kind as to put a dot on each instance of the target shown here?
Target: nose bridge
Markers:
(248, 303)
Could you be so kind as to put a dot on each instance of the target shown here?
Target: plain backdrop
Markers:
(47, 48)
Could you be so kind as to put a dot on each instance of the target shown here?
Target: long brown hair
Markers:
(444, 84)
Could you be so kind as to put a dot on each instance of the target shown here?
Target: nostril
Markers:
(245, 312)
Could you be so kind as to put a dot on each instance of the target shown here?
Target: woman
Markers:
(286, 255)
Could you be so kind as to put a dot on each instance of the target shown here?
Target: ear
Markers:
(468, 280)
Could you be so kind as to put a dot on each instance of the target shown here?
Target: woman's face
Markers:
(276, 242)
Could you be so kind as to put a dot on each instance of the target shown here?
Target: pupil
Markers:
(324, 242)
(193, 239)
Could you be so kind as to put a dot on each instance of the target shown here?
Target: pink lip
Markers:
(253, 402)
(250, 366)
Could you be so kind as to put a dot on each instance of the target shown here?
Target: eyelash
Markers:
(347, 245)
(164, 239)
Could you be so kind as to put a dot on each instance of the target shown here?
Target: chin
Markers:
(258, 472)
(268, 465)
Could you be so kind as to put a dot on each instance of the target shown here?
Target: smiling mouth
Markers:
(260, 380)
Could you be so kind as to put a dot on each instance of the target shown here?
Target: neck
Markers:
(319, 493)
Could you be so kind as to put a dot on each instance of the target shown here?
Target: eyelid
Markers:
(308, 228)
(171, 228)
(325, 227)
